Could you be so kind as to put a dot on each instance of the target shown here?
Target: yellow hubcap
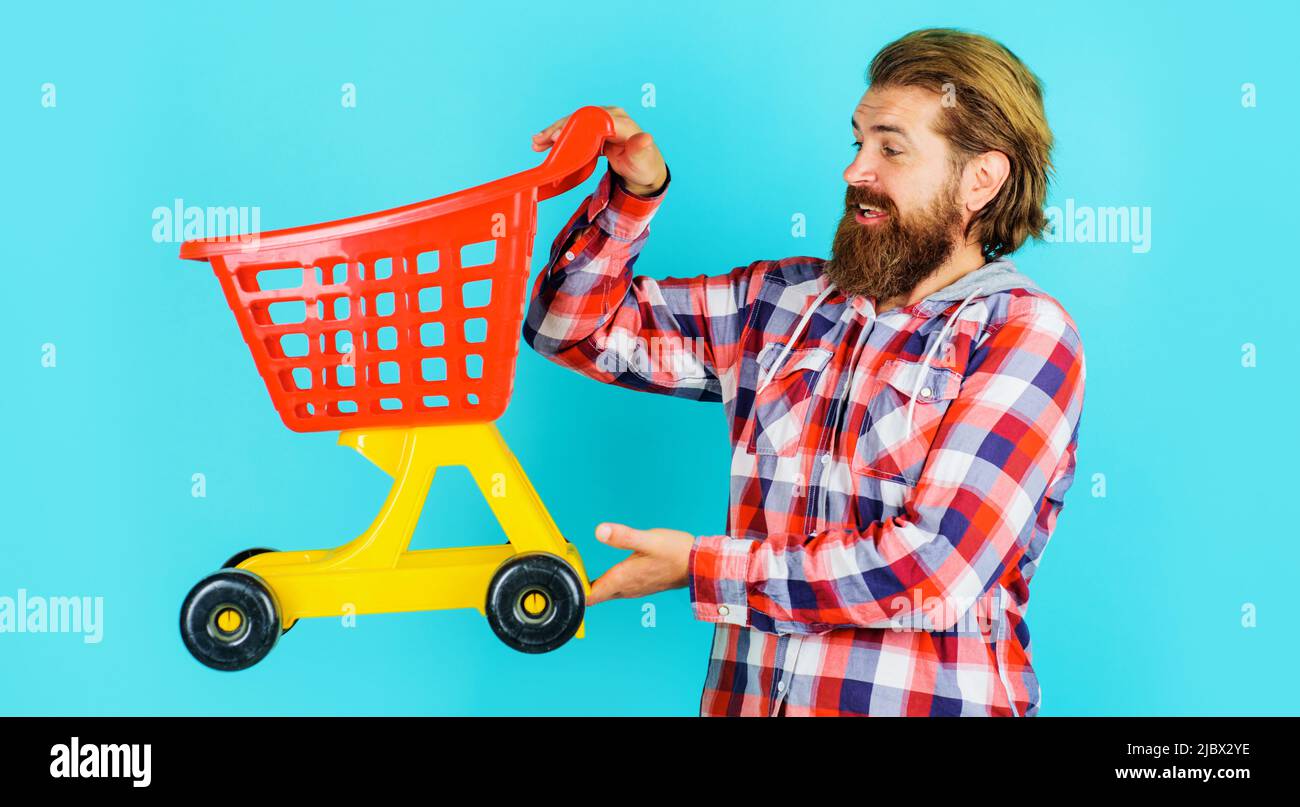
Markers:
(534, 603)
(229, 620)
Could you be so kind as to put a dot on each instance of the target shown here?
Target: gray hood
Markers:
(992, 277)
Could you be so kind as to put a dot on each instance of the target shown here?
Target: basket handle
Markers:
(570, 161)
(575, 153)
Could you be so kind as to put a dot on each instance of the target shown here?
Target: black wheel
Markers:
(535, 602)
(230, 620)
(240, 557)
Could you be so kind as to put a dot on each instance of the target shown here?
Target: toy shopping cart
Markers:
(400, 329)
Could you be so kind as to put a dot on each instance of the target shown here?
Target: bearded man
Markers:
(903, 416)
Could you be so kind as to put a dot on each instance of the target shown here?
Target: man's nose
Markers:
(862, 171)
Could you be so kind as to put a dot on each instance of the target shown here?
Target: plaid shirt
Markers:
(873, 563)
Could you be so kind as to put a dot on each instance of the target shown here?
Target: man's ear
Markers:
(983, 178)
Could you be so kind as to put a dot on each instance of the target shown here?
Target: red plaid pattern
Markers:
(876, 560)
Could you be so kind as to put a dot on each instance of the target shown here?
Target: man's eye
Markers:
(891, 152)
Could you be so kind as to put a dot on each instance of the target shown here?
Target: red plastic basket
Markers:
(403, 317)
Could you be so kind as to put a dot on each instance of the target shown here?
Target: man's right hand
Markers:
(632, 153)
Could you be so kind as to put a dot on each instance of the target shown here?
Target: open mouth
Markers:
(866, 214)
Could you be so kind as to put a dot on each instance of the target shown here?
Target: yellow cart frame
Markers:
(377, 572)
(531, 589)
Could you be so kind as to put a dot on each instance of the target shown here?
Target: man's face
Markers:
(903, 175)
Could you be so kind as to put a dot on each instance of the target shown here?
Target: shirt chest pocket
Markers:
(889, 447)
(783, 405)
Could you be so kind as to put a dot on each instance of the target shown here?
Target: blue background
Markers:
(1137, 606)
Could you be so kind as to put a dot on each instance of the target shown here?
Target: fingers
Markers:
(610, 585)
(660, 561)
(546, 137)
(624, 128)
(623, 537)
(641, 159)
(639, 146)
(601, 591)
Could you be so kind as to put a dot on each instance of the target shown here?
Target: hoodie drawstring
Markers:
(920, 376)
(794, 337)
(929, 357)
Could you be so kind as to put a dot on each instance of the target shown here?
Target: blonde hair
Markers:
(992, 102)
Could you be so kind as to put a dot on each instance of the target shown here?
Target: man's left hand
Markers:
(660, 561)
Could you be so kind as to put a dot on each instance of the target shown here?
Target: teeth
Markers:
(866, 209)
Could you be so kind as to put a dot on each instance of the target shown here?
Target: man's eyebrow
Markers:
(882, 127)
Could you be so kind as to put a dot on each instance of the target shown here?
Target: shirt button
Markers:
(925, 392)
(568, 256)
(780, 686)
(826, 458)
(723, 610)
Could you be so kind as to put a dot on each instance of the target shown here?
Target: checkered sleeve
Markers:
(1000, 446)
(590, 313)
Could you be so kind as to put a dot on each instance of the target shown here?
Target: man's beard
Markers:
(888, 259)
